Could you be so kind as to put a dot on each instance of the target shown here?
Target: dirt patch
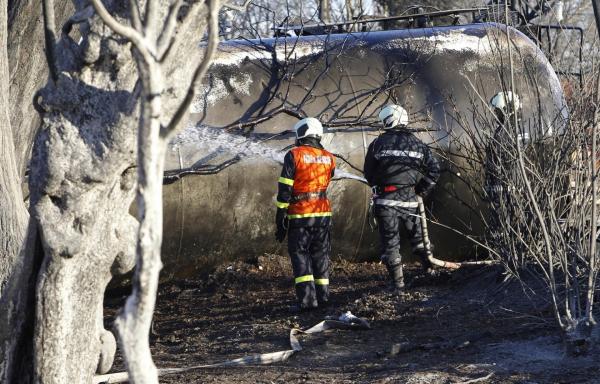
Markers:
(461, 327)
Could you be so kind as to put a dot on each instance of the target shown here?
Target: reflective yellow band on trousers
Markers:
(304, 279)
(303, 215)
(279, 204)
(322, 281)
(286, 181)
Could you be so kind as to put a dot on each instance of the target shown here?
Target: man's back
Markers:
(397, 158)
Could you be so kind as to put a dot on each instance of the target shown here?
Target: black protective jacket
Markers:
(398, 158)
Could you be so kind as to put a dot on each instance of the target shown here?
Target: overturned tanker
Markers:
(222, 170)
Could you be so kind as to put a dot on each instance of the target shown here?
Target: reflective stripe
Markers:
(395, 203)
(309, 196)
(286, 181)
(303, 215)
(310, 159)
(279, 204)
(304, 279)
(397, 153)
(322, 281)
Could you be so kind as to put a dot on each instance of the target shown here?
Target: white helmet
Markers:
(504, 100)
(308, 127)
(392, 116)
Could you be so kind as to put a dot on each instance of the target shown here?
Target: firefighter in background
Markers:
(398, 166)
(304, 213)
(499, 160)
(501, 164)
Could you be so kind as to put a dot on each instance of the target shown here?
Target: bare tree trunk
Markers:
(87, 235)
(22, 71)
(13, 216)
(325, 11)
(349, 10)
(134, 322)
(14, 268)
(82, 184)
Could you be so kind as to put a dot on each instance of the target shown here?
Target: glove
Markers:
(424, 187)
(282, 224)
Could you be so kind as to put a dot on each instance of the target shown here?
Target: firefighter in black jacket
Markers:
(501, 167)
(398, 166)
(304, 210)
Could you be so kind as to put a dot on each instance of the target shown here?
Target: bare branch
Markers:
(50, 37)
(127, 32)
(166, 37)
(213, 41)
(136, 19)
(173, 43)
(151, 19)
(262, 119)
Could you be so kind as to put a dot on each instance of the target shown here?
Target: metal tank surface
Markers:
(241, 119)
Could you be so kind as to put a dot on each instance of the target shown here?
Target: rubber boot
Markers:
(322, 295)
(425, 263)
(298, 308)
(397, 277)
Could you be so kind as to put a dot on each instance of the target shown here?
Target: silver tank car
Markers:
(222, 173)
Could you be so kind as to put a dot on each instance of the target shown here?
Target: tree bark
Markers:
(14, 267)
(155, 129)
(325, 11)
(28, 70)
(82, 184)
(13, 215)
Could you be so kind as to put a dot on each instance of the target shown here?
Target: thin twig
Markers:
(151, 19)
(166, 37)
(211, 48)
(50, 37)
(136, 19)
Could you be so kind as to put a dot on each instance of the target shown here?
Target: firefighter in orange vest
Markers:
(304, 213)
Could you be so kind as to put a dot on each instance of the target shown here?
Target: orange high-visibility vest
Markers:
(313, 168)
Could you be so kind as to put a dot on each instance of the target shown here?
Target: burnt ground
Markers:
(471, 326)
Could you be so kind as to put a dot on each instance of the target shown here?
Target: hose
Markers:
(427, 244)
(347, 321)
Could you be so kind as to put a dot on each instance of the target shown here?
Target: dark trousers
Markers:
(389, 220)
(309, 249)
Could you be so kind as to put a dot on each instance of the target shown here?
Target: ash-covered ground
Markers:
(467, 326)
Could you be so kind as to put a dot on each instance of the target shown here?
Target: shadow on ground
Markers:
(472, 326)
